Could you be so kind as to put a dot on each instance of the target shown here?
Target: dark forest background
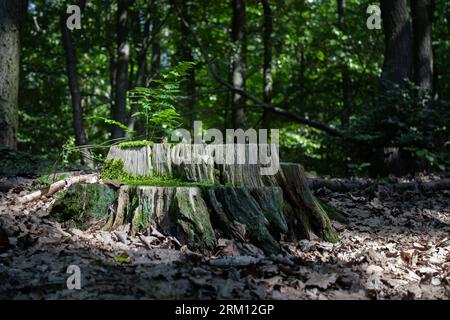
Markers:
(348, 100)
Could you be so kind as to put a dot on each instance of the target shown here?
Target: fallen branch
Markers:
(237, 261)
(59, 185)
(349, 186)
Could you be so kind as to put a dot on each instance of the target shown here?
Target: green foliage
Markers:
(309, 51)
(112, 169)
(122, 258)
(52, 178)
(156, 104)
(358, 168)
(69, 153)
(112, 123)
(135, 144)
(409, 119)
(16, 163)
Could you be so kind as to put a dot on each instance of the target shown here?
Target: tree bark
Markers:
(346, 81)
(238, 37)
(267, 69)
(142, 60)
(11, 15)
(156, 40)
(422, 18)
(142, 63)
(123, 58)
(398, 58)
(74, 87)
(186, 55)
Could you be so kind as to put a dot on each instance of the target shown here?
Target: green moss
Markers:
(332, 212)
(113, 169)
(122, 258)
(137, 222)
(82, 203)
(192, 217)
(330, 235)
(162, 182)
(135, 144)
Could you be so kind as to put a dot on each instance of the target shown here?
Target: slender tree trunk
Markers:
(74, 87)
(142, 72)
(422, 17)
(397, 70)
(398, 58)
(267, 69)
(238, 37)
(112, 55)
(156, 55)
(123, 58)
(186, 55)
(156, 40)
(346, 81)
(227, 102)
(11, 15)
(142, 60)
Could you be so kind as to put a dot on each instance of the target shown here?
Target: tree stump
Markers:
(201, 201)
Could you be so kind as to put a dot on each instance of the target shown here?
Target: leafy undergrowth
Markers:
(14, 163)
(394, 246)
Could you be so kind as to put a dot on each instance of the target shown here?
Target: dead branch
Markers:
(349, 186)
(59, 185)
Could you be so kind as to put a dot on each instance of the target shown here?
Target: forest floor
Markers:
(395, 246)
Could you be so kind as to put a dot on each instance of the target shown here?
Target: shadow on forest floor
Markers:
(395, 246)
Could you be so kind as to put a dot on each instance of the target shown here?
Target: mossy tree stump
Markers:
(197, 203)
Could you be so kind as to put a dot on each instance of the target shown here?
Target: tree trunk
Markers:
(238, 37)
(398, 58)
(142, 60)
(123, 58)
(346, 81)
(267, 69)
(266, 206)
(74, 87)
(11, 14)
(142, 72)
(156, 40)
(186, 55)
(422, 18)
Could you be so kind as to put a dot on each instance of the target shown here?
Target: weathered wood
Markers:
(192, 220)
(258, 210)
(240, 203)
(303, 212)
(58, 186)
(200, 170)
(157, 160)
(83, 205)
(136, 161)
(176, 211)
